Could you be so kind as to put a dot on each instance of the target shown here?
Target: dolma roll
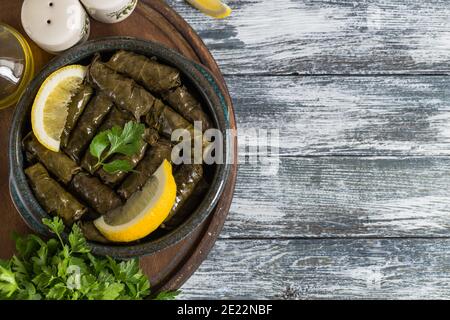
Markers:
(145, 169)
(87, 126)
(151, 136)
(112, 179)
(125, 93)
(89, 162)
(91, 232)
(75, 109)
(57, 163)
(188, 207)
(97, 195)
(187, 177)
(52, 197)
(154, 118)
(29, 157)
(153, 75)
(187, 105)
(166, 120)
(161, 79)
(115, 117)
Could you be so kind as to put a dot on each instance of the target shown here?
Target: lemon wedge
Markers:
(49, 111)
(213, 8)
(144, 212)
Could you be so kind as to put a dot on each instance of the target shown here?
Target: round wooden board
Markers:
(152, 20)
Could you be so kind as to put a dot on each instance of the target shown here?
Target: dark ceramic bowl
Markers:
(196, 77)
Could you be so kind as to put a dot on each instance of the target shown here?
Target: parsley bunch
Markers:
(59, 270)
(126, 141)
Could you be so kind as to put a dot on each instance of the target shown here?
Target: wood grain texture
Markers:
(326, 269)
(359, 157)
(331, 37)
(304, 190)
(341, 197)
(329, 115)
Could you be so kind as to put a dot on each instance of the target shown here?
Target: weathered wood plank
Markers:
(341, 197)
(324, 269)
(345, 115)
(396, 186)
(323, 36)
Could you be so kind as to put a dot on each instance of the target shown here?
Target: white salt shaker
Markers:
(109, 11)
(55, 25)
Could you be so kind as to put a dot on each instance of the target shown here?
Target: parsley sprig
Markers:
(126, 141)
(66, 270)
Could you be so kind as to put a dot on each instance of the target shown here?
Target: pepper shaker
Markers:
(109, 11)
(55, 25)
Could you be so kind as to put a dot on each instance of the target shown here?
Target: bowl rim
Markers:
(198, 75)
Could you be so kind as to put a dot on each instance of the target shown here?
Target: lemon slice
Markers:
(144, 212)
(49, 111)
(213, 8)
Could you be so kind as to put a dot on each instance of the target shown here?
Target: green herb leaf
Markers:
(114, 135)
(99, 144)
(55, 225)
(77, 241)
(43, 280)
(129, 149)
(118, 165)
(8, 284)
(21, 268)
(98, 264)
(132, 132)
(126, 141)
(25, 246)
(113, 291)
(168, 295)
(57, 292)
(59, 269)
(28, 292)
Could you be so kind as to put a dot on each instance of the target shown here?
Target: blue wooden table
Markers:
(358, 205)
